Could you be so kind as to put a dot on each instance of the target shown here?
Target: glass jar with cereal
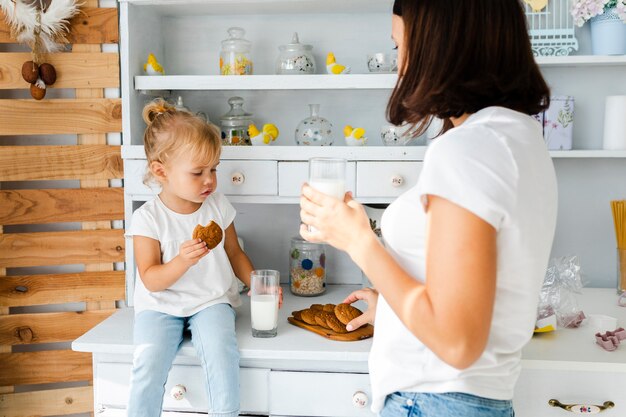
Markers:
(307, 268)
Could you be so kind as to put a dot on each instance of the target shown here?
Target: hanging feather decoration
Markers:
(43, 25)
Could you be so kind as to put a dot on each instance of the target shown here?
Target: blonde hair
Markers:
(170, 132)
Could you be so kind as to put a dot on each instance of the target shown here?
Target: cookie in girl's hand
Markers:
(211, 234)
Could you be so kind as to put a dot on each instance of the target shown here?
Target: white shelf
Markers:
(588, 154)
(267, 82)
(581, 60)
(248, 7)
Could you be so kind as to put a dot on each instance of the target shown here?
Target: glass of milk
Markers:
(264, 295)
(328, 175)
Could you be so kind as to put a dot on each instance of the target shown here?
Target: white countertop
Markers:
(296, 348)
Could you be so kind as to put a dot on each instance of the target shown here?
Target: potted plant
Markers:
(608, 24)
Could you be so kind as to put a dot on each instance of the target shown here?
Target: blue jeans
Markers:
(157, 337)
(450, 404)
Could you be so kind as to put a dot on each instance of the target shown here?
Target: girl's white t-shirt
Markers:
(211, 281)
(495, 165)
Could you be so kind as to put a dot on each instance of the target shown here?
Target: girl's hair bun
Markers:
(156, 108)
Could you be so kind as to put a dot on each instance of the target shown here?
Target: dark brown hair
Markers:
(462, 56)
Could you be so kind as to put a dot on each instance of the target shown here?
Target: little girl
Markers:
(183, 284)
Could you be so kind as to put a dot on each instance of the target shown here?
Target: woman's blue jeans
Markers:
(157, 337)
(451, 404)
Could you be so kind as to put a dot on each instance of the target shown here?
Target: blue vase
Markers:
(608, 34)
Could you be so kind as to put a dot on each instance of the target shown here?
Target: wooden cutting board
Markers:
(361, 333)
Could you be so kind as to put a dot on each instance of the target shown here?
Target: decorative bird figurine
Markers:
(152, 66)
(354, 137)
(332, 67)
(265, 137)
(537, 5)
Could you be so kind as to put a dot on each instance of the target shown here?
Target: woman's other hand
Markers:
(342, 224)
(370, 296)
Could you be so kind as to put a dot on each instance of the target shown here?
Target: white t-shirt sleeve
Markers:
(473, 169)
(226, 209)
(143, 224)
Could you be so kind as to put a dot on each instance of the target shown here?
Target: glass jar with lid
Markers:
(235, 124)
(235, 54)
(295, 58)
(307, 268)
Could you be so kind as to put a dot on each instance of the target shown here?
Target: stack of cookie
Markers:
(328, 316)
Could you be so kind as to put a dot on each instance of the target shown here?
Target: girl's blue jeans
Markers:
(450, 404)
(157, 337)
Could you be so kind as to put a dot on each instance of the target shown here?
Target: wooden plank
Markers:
(93, 139)
(92, 25)
(30, 290)
(61, 205)
(44, 367)
(21, 329)
(25, 163)
(4, 310)
(61, 248)
(75, 70)
(60, 116)
(54, 402)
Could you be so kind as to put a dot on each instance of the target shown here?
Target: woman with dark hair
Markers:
(466, 248)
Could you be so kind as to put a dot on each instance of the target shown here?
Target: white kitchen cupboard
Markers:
(185, 36)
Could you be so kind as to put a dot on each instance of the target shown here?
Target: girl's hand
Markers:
(370, 296)
(280, 297)
(342, 224)
(192, 251)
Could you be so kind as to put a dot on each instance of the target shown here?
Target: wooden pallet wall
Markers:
(25, 368)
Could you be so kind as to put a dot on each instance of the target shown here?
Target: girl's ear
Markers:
(158, 170)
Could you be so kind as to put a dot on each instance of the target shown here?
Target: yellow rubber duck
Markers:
(537, 5)
(332, 67)
(354, 137)
(152, 66)
(264, 137)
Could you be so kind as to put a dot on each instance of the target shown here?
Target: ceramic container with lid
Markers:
(235, 124)
(235, 55)
(307, 267)
(295, 58)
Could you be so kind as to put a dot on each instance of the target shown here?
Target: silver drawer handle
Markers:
(359, 399)
(178, 392)
(237, 178)
(582, 408)
(397, 181)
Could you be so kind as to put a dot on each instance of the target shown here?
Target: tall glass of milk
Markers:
(264, 296)
(328, 175)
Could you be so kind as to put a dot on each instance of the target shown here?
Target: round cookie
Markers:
(320, 318)
(329, 307)
(297, 315)
(334, 324)
(346, 313)
(316, 307)
(211, 234)
(308, 316)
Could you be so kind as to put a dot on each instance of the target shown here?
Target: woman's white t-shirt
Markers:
(211, 281)
(496, 166)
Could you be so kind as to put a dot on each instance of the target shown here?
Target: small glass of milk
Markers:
(264, 296)
(328, 175)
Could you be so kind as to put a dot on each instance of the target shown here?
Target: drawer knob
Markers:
(582, 408)
(359, 399)
(397, 181)
(237, 178)
(178, 392)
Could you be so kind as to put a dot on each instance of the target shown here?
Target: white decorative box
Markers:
(558, 123)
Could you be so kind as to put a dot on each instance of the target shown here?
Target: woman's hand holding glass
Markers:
(341, 224)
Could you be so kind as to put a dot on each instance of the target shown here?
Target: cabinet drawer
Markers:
(248, 177)
(536, 387)
(113, 382)
(319, 394)
(233, 178)
(291, 176)
(385, 179)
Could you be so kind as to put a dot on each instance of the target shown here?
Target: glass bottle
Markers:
(235, 54)
(307, 268)
(314, 130)
(295, 58)
(235, 124)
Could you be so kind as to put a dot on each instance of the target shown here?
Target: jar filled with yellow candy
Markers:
(235, 54)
